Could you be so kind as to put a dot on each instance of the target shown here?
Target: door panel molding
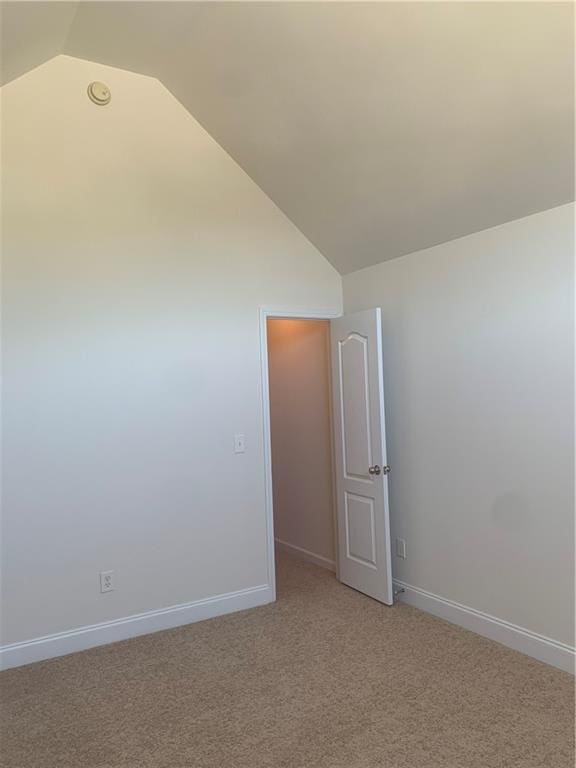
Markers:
(359, 432)
(357, 542)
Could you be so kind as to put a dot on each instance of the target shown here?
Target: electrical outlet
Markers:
(401, 548)
(107, 581)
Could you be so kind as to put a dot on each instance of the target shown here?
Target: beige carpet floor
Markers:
(324, 678)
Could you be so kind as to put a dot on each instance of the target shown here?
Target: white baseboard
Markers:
(305, 554)
(532, 644)
(539, 647)
(80, 639)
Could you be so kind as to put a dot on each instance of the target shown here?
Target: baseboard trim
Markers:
(51, 646)
(523, 640)
(81, 639)
(305, 554)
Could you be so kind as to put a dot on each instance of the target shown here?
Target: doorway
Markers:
(326, 471)
(301, 438)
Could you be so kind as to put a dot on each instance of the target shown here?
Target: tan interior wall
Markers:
(299, 363)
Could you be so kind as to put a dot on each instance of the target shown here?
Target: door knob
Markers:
(375, 470)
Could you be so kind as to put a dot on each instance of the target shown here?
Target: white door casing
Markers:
(364, 554)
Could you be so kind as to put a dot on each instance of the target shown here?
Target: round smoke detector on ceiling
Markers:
(99, 93)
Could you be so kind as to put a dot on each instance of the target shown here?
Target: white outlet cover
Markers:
(107, 581)
(401, 548)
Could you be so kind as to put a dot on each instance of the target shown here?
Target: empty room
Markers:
(287, 343)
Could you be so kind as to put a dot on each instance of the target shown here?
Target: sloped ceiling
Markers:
(378, 128)
(31, 33)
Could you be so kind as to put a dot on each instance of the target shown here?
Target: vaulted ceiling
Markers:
(379, 128)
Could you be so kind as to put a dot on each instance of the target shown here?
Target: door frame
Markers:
(295, 313)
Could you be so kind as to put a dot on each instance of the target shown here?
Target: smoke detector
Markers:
(99, 93)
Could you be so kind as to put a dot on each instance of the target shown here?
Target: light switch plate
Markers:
(239, 444)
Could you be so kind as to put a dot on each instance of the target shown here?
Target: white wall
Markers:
(136, 255)
(478, 367)
(300, 418)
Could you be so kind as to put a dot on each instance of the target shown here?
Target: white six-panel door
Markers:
(364, 556)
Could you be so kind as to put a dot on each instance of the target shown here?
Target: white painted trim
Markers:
(265, 313)
(80, 639)
(305, 554)
(523, 640)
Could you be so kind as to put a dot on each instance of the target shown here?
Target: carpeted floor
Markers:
(324, 678)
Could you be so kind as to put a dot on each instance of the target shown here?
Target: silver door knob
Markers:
(375, 470)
